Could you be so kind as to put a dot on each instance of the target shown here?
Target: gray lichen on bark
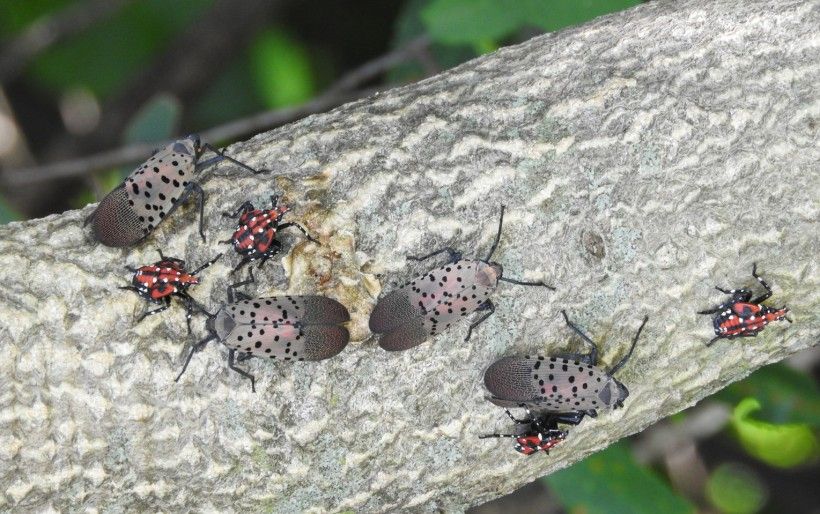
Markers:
(643, 158)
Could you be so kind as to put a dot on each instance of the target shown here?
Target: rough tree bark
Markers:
(643, 157)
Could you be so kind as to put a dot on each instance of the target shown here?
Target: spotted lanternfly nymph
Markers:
(741, 316)
(154, 190)
(428, 305)
(165, 278)
(568, 384)
(255, 236)
(289, 328)
(536, 433)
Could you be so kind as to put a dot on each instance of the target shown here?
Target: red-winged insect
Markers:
(741, 316)
(569, 385)
(164, 279)
(288, 328)
(154, 190)
(536, 433)
(428, 305)
(255, 236)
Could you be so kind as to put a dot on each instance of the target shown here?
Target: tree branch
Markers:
(643, 158)
(347, 88)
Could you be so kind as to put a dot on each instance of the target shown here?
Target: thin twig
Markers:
(47, 31)
(338, 93)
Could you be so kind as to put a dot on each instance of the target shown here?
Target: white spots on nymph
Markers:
(732, 317)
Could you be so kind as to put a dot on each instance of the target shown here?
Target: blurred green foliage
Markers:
(282, 69)
(478, 21)
(157, 120)
(611, 482)
(782, 445)
(734, 489)
(785, 395)
(108, 55)
(7, 213)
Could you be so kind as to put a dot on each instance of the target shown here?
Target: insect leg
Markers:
(486, 306)
(195, 348)
(593, 354)
(145, 314)
(206, 264)
(453, 255)
(193, 303)
(529, 420)
(232, 287)
(231, 365)
(193, 188)
(570, 418)
(768, 292)
(300, 227)
(487, 436)
(711, 311)
(245, 207)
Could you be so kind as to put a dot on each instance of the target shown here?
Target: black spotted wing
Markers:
(428, 305)
(289, 327)
(548, 384)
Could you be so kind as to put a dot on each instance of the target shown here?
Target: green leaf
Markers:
(611, 482)
(782, 446)
(473, 21)
(552, 15)
(410, 26)
(282, 69)
(470, 21)
(7, 213)
(786, 395)
(155, 121)
(107, 55)
(734, 489)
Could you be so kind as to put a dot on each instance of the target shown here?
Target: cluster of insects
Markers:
(555, 389)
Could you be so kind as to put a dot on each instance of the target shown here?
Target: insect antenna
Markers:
(195, 348)
(497, 236)
(620, 364)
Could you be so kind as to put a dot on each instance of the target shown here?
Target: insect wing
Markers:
(550, 384)
(428, 305)
(154, 188)
(289, 327)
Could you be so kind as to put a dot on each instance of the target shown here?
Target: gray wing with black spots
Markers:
(155, 187)
(549, 384)
(289, 327)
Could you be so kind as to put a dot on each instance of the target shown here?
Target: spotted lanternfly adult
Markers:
(741, 316)
(569, 384)
(154, 190)
(428, 305)
(165, 278)
(289, 328)
(255, 236)
(536, 433)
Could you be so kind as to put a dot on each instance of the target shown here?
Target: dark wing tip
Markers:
(391, 311)
(404, 337)
(114, 221)
(324, 341)
(324, 310)
(510, 378)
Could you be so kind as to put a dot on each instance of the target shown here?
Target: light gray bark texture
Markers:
(643, 158)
